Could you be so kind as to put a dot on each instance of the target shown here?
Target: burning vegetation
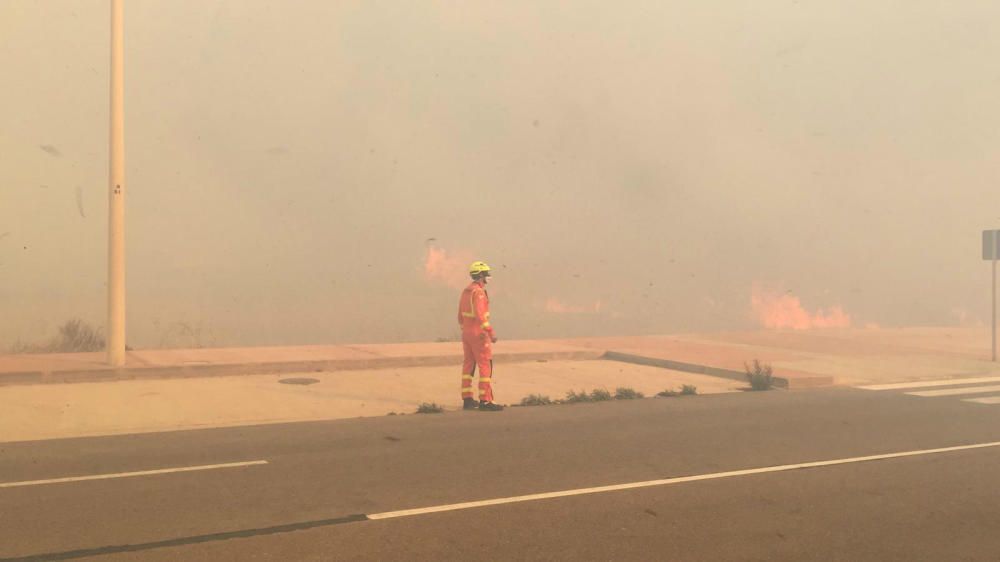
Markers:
(778, 311)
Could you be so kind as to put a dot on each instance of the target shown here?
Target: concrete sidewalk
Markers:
(179, 363)
(163, 390)
(33, 412)
(819, 357)
(800, 359)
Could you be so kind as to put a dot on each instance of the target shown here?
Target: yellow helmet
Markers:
(478, 268)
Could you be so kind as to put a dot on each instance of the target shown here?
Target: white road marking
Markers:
(928, 384)
(668, 481)
(128, 474)
(987, 400)
(956, 391)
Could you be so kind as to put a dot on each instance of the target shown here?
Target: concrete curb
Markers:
(789, 381)
(278, 367)
(780, 382)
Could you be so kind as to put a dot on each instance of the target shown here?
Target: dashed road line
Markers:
(129, 474)
(668, 481)
(247, 533)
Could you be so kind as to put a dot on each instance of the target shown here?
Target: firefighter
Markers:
(478, 338)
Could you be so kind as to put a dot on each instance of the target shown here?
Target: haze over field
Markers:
(306, 171)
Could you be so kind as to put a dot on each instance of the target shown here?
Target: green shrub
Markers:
(689, 389)
(627, 393)
(431, 408)
(760, 375)
(536, 400)
(668, 393)
(600, 395)
(573, 397)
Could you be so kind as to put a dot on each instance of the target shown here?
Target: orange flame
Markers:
(556, 306)
(774, 310)
(450, 270)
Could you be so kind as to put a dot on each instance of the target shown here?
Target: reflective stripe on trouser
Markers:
(486, 385)
(478, 353)
(467, 384)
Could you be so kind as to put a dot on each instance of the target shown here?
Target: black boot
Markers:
(489, 407)
(469, 403)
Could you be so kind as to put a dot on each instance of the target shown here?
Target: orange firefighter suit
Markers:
(477, 341)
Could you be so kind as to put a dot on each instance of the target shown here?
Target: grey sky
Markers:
(287, 162)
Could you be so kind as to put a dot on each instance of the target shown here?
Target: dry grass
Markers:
(74, 336)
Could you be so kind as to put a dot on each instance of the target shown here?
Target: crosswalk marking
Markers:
(928, 384)
(957, 391)
(969, 388)
(987, 400)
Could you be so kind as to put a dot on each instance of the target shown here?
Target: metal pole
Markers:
(116, 193)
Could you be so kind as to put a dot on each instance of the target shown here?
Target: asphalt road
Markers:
(320, 481)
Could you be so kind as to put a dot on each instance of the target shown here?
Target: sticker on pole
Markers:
(991, 244)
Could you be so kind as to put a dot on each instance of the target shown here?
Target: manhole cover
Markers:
(298, 381)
